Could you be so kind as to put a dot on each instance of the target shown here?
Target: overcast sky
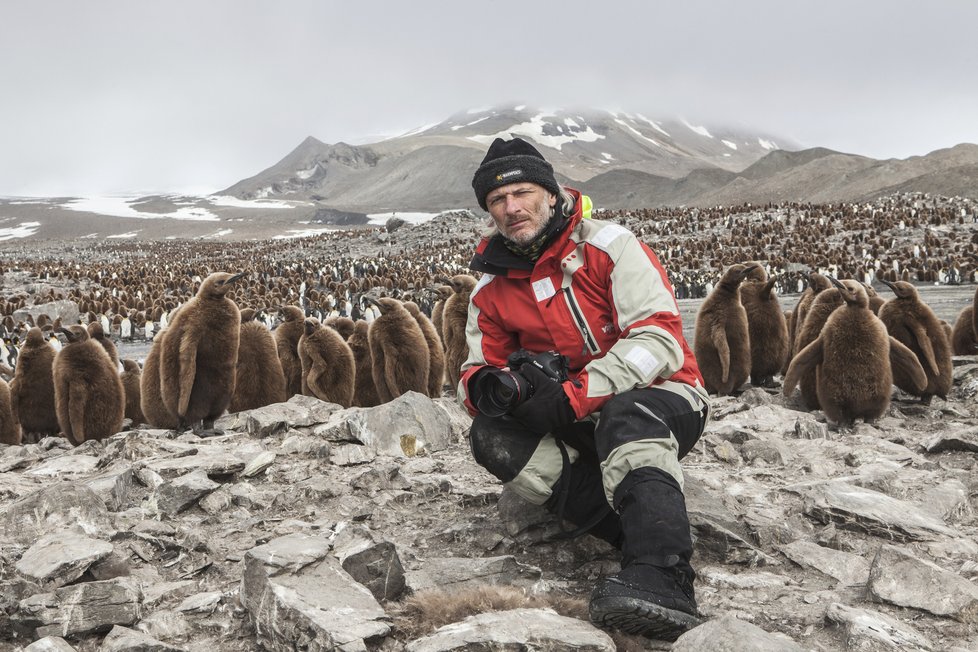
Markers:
(113, 96)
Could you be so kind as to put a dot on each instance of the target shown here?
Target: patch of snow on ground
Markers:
(482, 110)
(534, 131)
(419, 130)
(300, 233)
(120, 207)
(519, 108)
(22, 230)
(767, 144)
(636, 132)
(305, 174)
(90, 236)
(729, 144)
(697, 130)
(608, 156)
(380, 219)
(216, 234)
(570, 122)
(654, 125)
(131, 234)
(234, 202)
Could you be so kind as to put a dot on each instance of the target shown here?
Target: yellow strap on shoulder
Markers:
(586, 207)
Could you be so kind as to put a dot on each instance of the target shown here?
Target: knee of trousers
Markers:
(528, 464)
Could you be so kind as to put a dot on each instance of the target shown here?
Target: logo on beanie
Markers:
(509, 175)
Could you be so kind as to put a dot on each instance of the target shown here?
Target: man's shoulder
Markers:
(605, 235)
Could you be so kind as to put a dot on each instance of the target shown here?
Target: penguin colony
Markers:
(132, 290)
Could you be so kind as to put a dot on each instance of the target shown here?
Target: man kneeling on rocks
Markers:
(584, 391)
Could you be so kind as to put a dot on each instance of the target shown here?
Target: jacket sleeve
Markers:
(645, 311)
(489, 344)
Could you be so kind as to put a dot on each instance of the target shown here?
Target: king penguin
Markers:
(766, 326)
(721, 344)
(259, 380)
(32, 387)
(287, 336)
(327, 364)
(398, 351)
(89, 398)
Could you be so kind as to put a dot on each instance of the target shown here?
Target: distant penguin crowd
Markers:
(316, 316)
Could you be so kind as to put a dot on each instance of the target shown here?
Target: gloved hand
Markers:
(549, 408)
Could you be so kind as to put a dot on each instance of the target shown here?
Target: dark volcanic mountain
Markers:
(622, 160)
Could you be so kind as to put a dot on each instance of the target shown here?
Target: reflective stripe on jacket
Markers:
(597, 295)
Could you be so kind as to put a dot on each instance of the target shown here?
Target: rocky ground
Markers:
(305, 526)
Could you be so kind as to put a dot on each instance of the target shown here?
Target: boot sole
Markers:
(635, 616)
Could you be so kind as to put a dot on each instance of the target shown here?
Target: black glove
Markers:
(549, 408)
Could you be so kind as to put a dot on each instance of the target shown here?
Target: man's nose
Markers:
(513, 205)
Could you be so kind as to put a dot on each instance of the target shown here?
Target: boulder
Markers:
(79, 609)
(872, 630)
(730, 634)
(123, 639)
(370, 560)
(899, 578)
(58, 507)
(59, 558)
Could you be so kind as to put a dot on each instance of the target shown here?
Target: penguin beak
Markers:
(68, 334)
(371, 300)
(748, 270)
(836, 282)
(889, 285)
(236, 277)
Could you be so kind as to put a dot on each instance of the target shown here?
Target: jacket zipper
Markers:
(582, 326)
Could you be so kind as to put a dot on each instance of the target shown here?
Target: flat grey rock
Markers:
(59, 507)
(299, 597)
(540, 630)
(174, 496)
(961, 440)
(123, 639)
(59, 558)
(113, 487)
(370, 560)
(850, 570)
(730, 634)
(459, 572)
(49, 644)
(867, 630)
(870, 511)
(81, 608)
(298, 412)
(900, 578)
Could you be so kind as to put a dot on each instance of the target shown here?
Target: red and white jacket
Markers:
(597, 295)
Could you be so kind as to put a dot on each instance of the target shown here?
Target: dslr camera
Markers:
(500, 391)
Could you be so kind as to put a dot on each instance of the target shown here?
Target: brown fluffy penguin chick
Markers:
(766, 327)
(438, 312)
(151, 402)
(327, 364)
(398, 351)
(96, 333)
(721, 343)
(9, 428)
(914, 324)
(454, 316)
(90, 401)
(818, 313)
(857, 357)
(131, 379)
(342, 325)
(287, 336)
(199, 354)
(963, 339)
(816, 283)
(875, 300)
(32, 388)
(436, 353)
(364, 390)
(259, 380)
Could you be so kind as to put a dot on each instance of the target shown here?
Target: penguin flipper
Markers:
(765, 292)
(719, 333)
(807, 359)
(906, 361)
(318, 369)
(923, 341)
(188, 372)
(77, 400)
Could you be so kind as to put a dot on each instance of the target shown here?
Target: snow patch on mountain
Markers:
(234, 202)
(697, 130)
(729, 144)
(380, 219)
(22, 230)
(655, 125)
(120, 207)
(636, 131)
(534, 130)
(766, 144)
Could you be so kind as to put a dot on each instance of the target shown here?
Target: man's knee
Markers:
(653, 413)
(499, 447)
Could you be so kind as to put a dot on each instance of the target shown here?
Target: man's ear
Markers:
(553, 200)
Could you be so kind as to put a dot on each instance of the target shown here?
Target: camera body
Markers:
(500, 391)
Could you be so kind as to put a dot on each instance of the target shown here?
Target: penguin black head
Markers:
(901, 289)
(217, 284)
(292, 313)
(852, 292)
(75, 333)
(35, 336)
(311, 325)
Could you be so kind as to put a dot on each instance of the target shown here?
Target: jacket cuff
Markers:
(576, 390)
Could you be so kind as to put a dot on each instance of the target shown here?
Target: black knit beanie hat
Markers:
(512, 161)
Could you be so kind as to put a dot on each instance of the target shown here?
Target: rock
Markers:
(540, 630)
(49, 644)
(730, 634)
(856, 508)
(65, 465)
(174, 496)
(59, 507)
(165, 625)
(518, 514)
(899, 578)
(946, 500)
(201, 602)
(850, 570)
(806, 427)
(298, 412)
(60, 558)
(371, 561)
(404, 427)
(459, 572)
(81, 608)
(351, 455)
(727, 452)
(300, 598)
(258, 464)
(771, 451)
(157, 593)
(113, 487)
(746, 580)
(62, 309)
(216, 501)
(459, 419)
(959, 440)
(123, 639)
(870, 630)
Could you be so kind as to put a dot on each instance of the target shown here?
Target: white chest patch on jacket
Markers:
(544, 289)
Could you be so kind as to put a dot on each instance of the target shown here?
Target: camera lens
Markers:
(499, 392)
